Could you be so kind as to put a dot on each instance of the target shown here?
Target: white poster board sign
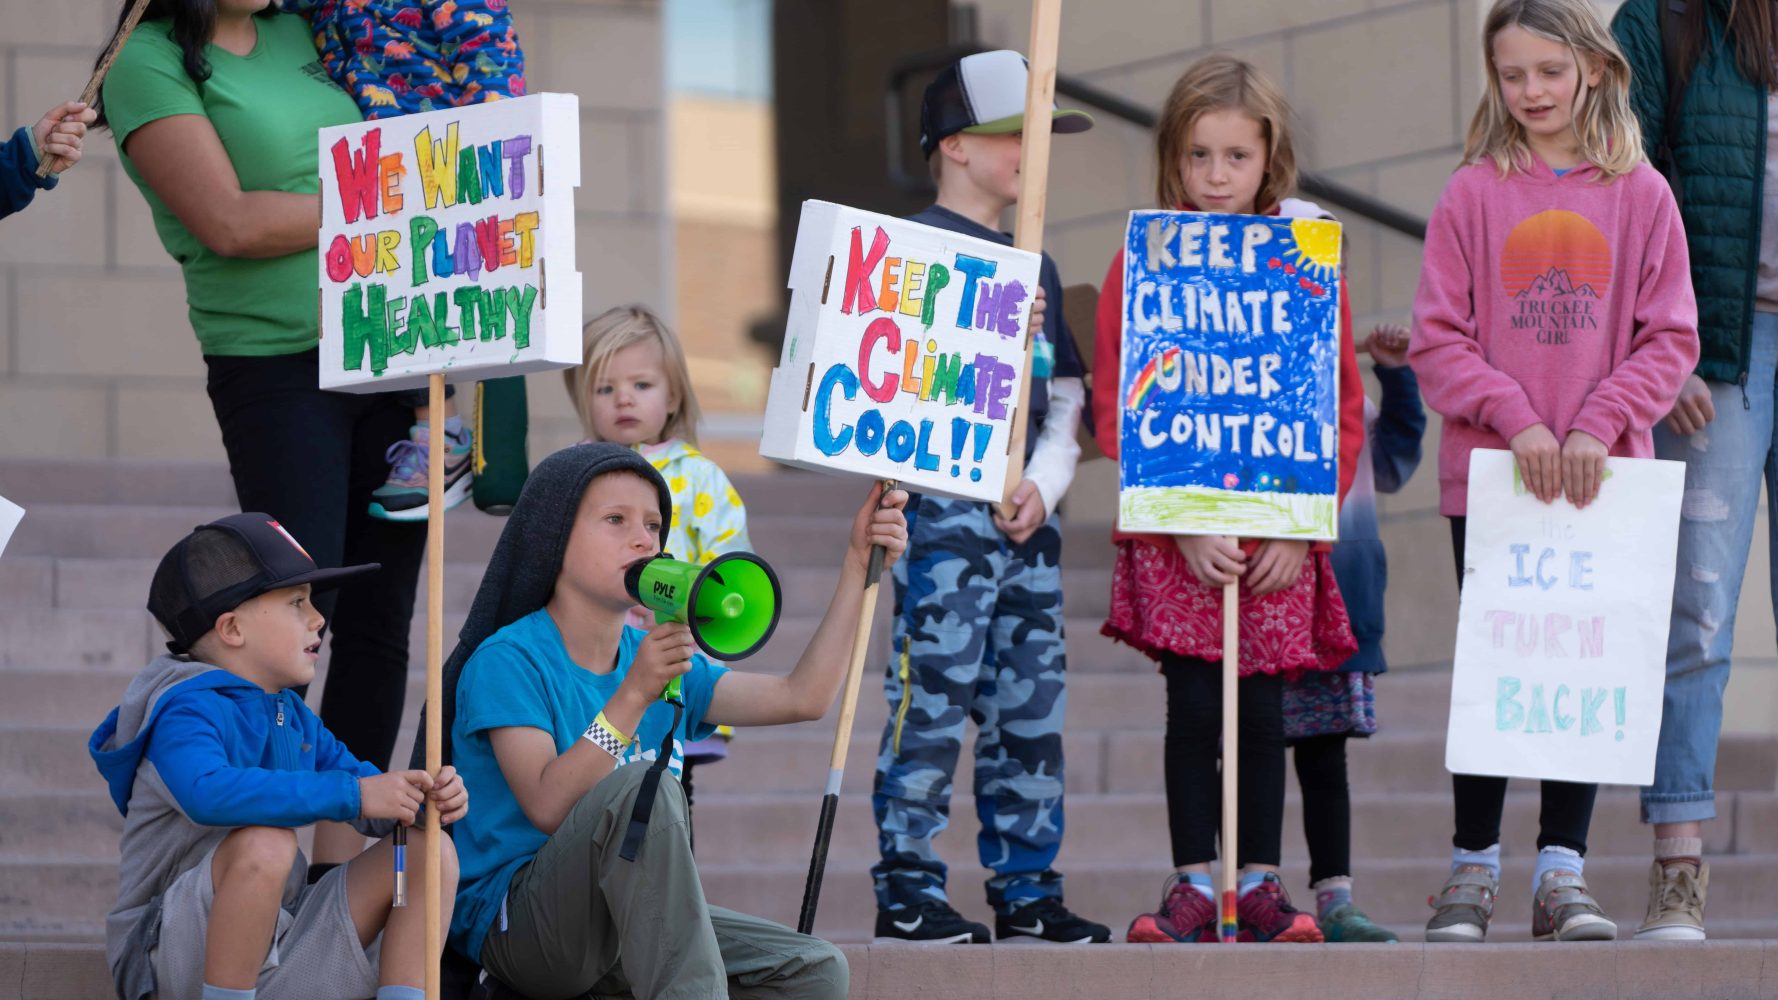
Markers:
(1562, 630)
(447, 244)
(903, 354)
(10, 516)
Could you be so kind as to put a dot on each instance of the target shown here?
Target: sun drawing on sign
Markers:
(1313, 251)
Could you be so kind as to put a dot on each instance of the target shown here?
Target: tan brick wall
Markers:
(96, 356)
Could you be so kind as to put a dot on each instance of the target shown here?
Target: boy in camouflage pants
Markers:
(978, 597)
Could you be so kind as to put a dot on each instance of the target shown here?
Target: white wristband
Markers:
(599, 737)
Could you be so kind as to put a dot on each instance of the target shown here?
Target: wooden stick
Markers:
(1231, 745)
(435, 404)
(1034, 174)
(91, 93)
(842, 738)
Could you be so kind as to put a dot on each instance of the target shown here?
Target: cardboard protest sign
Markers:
(447, 244)
(903, 355)
(1229, 386)
(1562, 631)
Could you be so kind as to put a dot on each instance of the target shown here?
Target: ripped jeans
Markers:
(1725, 463)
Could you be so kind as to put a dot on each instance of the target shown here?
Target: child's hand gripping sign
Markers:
(903, 354)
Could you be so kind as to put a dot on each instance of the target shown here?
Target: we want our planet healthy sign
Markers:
(447, 244)
(1229, 388)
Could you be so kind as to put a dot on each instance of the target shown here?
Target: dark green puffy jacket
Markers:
(1719, 147)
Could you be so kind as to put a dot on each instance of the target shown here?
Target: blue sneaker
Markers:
(403, 496)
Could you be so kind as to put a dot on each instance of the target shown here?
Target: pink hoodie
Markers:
(1554, 300)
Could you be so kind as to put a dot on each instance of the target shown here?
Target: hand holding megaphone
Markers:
(662, 659)
(728, 608)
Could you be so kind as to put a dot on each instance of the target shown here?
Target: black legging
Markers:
(310, 459)
(1567, 810)
(1192, 750)
(1327, 804)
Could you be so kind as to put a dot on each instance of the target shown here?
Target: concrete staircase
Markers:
(72, 632)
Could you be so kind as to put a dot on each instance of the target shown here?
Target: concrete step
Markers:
(122, 584)
(52, 894)
(777, 828)
(1409, 701)
(1713, 970)
(798, 536)
(60, 697)
(128, 482)
(1393, 892)
(38, 638)
(1101, 756)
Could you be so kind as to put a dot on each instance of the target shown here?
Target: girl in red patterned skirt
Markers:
(1223, 145)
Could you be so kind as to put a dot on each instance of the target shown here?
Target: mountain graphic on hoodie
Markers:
(1555, 283)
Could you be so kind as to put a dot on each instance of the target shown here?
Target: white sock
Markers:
(1488, 856)
(1556, 859)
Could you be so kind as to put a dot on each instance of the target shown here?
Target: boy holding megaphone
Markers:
(576, 871)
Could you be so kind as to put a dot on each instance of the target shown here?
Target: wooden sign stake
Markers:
(842, 737)
(435, 403)
(91, 93)
(1231, 744)
(1034, 173)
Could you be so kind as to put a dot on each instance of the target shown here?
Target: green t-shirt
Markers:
(266, 107)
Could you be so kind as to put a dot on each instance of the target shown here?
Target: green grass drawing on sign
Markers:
(1203, 510)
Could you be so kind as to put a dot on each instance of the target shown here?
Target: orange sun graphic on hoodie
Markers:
(1556, 253)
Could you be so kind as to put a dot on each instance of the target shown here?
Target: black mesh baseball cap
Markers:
(985, 94)
(225, 563)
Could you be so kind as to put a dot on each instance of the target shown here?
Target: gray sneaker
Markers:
(1463, 907)
(1675, 903)
(1563, 910)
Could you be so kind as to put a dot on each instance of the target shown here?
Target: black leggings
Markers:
(1193, 748)
(1567, 811)
(310, 459)
(1327, 804)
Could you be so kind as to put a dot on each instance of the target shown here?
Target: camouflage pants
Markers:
(977, 635)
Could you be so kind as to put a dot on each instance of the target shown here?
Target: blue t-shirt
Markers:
(522, 676)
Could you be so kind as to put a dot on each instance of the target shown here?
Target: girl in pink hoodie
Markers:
(1555, 318)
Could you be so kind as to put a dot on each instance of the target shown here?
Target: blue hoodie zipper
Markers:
(280, 738)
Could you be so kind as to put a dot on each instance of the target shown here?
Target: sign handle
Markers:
(91, 93)
(842, 738)
(435, 403)
(1231, 699)
(1034, 174)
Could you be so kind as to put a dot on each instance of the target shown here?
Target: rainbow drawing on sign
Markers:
(1166, 365)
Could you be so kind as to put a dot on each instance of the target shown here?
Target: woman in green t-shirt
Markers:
(215, 106)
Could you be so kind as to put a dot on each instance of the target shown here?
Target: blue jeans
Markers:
(1724, 465)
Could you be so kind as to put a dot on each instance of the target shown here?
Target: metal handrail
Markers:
(1311, 184)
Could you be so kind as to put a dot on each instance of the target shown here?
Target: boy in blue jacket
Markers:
(214, 762)
(56, 136)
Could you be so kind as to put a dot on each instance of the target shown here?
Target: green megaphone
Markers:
(732, 604)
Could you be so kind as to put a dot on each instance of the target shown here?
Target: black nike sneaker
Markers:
(1048, 920)
(930, 922)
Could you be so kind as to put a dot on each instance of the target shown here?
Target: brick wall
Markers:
(96, 356)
